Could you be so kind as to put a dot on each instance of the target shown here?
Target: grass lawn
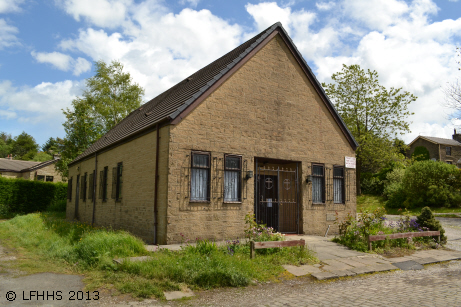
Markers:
(372, 202)
(45, 242)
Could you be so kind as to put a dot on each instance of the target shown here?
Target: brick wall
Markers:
(267, 109)
(135, 212)
(431, 147)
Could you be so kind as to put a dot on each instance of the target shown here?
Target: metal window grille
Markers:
(83, 187)
(232, 178)
(90, 186)
(49, 179)
(119, 181)
(69, 189)
(318, 184)
(200, 177)
(338, 185)
(105, 183)
(114, 183)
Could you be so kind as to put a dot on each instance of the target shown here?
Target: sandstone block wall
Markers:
(135, 211)
(267, 109)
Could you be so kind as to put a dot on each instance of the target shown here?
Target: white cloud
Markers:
(63, 62)
(59, 60)
(181, 44)
(7, 35)
(325, 6)
(101, 13)
(39, 104)
(7, 6)
(81, 66)
(192, 3)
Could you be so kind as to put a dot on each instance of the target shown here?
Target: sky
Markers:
(47, 48)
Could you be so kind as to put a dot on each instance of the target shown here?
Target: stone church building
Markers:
(251, 132)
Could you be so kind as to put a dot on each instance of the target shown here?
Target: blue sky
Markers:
(47, 48)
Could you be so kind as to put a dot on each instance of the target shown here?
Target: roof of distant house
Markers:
(436, 140)
(17, 166)
(173, 103)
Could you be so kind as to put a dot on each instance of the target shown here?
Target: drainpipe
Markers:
(157, 149)
(94, 185)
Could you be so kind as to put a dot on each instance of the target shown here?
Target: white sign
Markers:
(269, 202)
(350, 162)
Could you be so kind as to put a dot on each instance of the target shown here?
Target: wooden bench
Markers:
(271, 244)
(403, 235)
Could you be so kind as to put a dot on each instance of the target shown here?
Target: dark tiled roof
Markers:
(22, 166)
(441, 140)
(172, 102)
(16, 165)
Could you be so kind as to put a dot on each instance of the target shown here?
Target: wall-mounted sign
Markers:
(350, 162)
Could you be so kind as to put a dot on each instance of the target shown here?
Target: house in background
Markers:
(440, 149)
(30, 170)
(252, 132)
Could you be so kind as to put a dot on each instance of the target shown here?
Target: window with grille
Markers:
(83, 187)
(40, 178)
(69, 189)
(338, 185)
(232, 178)
(119, 178)
(200, 177)
(90, 186)
(448, 150)
(318, 184)
(49, 179)
(103, 183)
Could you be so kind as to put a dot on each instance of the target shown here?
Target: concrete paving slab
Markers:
(368, 260)
(301, 270)
(335, 265)
(324, 275)
(363, 270)
(426, 260)
(383, 267)
(174, 295)
(344, 273)
(408, 265)
(351, 262)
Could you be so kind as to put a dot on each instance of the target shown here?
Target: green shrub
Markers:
(427, 219)
(431, 183)
(27, 196)
(370, 184)
(421, 154)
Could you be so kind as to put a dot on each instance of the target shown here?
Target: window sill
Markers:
(319, 204)
(199, 201)
(232, 202)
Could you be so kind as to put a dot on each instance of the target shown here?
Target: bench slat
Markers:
(272, 244)
(404, 235)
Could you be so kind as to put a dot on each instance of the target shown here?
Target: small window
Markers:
(83, 187)
(200, 177)
(69, 189)
(90, 186)
(318, 184)
(338, 185)
(448, 151)
(40, 178)
(232, 178)
(119, 181)
(49, 178)
(104, 183)
(449, 162)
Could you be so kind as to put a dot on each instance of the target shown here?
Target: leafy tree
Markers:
(372, 113)
(421, 153)
(109, 97)
(5, 144)
(53, 146)
(42, 157)
(400, 146)
(24, 147)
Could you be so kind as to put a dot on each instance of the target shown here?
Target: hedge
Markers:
(26, 196)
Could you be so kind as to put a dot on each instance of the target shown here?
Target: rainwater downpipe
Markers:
(94, 185)
(157, 149)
